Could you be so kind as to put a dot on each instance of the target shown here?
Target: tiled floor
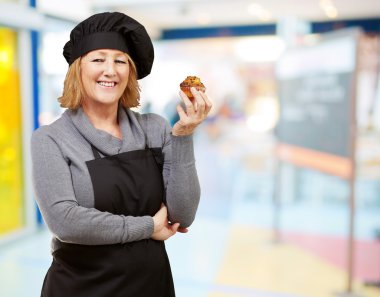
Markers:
(23, 265)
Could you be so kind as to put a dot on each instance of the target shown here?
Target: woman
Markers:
(113, 184)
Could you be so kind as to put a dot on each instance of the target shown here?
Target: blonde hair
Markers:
(73, 90)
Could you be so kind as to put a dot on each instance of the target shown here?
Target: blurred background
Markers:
(288, 160)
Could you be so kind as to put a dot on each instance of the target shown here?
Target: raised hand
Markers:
(195, 112)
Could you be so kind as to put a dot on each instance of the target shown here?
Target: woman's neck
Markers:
(103, 118)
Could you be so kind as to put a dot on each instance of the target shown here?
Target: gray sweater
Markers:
(63, 185)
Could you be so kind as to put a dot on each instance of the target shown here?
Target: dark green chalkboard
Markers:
(316, 86)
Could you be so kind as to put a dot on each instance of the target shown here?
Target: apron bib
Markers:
(129, 184)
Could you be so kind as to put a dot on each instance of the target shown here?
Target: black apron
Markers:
(129, 184)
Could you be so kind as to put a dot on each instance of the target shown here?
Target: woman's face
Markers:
(104, 74)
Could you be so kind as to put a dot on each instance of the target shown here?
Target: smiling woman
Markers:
(113, 184)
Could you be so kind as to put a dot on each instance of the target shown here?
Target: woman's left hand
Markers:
(195, 113)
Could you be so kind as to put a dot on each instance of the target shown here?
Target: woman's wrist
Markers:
(183, 131)
(182, 134)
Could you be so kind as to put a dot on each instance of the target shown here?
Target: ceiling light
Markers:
(265, 15)
(259, 12)
(259, 49)
(331, 12)
(255, 9)
(203, 19)
(329, 8)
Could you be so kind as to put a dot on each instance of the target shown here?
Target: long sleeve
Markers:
(180, 177)
(66, 219)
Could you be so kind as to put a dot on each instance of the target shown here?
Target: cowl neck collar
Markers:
(133, 136)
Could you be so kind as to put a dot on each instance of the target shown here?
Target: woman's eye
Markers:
(97, 60)
(120, 62)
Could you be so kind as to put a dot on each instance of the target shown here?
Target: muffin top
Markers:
(192, 81)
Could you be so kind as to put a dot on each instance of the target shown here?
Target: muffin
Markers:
(192, 81)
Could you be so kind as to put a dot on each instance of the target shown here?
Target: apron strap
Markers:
(146, 141)
(95, 152)
(145, 134)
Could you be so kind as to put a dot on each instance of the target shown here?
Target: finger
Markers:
(184, 97)
(182, 114)
(174, 228)
(163, 212)
(190, 108)
(200, 102)
(207, 101)
(183, 230)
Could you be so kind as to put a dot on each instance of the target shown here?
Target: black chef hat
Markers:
(112, 30)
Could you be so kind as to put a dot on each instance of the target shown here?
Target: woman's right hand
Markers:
(162, 228)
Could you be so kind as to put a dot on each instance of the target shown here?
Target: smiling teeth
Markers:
(106, 84)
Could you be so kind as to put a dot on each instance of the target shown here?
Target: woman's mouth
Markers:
(107, 84)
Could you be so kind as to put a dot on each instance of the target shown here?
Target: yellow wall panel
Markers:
(11, 183)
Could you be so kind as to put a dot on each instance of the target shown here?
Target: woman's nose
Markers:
(110, 68)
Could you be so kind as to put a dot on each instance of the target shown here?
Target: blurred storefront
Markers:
(314, 208)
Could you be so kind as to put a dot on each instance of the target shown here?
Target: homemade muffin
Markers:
(192, 81)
